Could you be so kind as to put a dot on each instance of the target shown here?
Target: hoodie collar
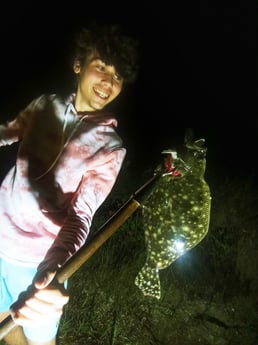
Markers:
(101, 117)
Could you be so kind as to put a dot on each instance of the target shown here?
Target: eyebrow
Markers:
(95, 58)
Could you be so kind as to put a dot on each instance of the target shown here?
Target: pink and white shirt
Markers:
(66, 166)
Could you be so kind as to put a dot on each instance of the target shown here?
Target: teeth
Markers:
(101, 93)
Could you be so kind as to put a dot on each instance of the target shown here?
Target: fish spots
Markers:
(175, 217)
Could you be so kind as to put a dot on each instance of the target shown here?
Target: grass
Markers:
(208, 295)
(200, 290)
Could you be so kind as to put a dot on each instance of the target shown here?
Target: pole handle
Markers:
(84, 253)
(91, 246)
(102, 235)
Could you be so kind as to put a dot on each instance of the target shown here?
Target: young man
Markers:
(68, 160)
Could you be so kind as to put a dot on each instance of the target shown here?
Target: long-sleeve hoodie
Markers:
(66, 166)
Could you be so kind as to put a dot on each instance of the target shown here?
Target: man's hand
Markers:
(40, 302)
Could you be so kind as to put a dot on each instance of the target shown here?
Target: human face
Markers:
(98, 85)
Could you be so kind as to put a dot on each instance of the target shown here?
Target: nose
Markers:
(108, 78)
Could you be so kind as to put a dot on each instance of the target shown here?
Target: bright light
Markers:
(180, 245)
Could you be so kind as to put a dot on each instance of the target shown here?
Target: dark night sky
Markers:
(197, 70)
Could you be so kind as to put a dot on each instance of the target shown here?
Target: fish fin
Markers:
(148, 281)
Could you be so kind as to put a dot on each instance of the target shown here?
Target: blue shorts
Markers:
(13, 280)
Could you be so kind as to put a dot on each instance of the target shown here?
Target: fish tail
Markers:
(148, 281)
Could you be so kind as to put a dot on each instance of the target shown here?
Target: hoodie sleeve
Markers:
(93, 189)
(13, 130)
(10, 132)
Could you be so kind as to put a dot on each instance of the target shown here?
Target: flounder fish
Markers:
(176, 214)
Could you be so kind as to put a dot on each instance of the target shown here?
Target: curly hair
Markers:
(112, 46)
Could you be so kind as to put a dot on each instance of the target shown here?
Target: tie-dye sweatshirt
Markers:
(67, 164)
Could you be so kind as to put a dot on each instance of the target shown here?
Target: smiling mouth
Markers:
(101, 93)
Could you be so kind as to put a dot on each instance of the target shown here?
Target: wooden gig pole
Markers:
(91, 246)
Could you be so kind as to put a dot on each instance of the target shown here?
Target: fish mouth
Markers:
(197, 147)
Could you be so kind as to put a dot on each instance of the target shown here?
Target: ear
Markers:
(76, 67)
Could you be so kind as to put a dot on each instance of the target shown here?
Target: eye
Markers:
(100, 67)
(118, 77)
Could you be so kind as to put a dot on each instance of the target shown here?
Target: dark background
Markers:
(198, 70)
